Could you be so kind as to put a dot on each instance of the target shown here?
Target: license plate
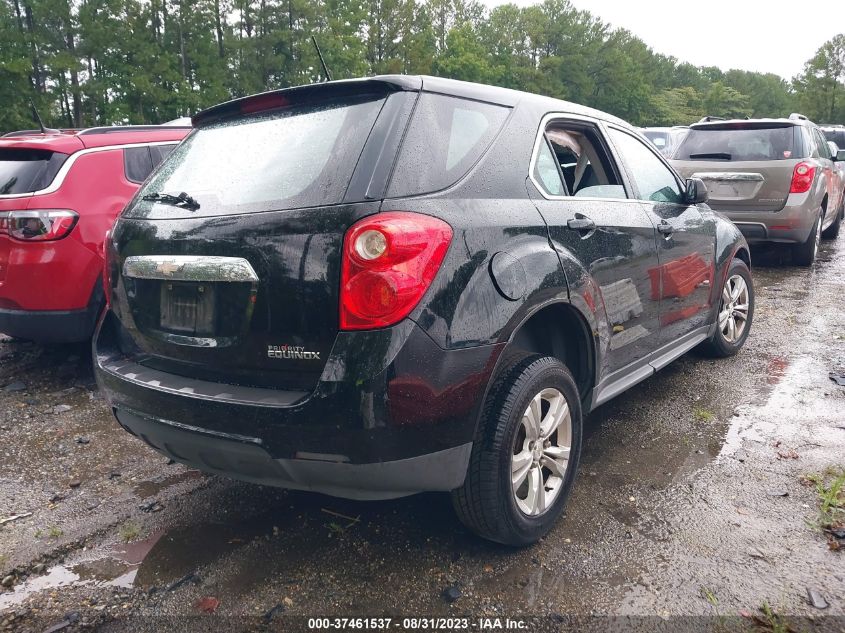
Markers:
(187, 308)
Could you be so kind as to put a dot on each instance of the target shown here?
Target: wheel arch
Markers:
(558, 329)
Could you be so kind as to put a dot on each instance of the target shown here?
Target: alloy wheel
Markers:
(541, 452)
(733, 315)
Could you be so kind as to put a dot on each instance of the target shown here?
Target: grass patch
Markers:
(703, 415)
(830, 489)
(709, 596)
(129, 531)
(51, 532)
(771, 620)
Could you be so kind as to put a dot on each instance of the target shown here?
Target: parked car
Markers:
(665, 139)
(60, 191)
(347, 288)
(839, 163)
(775, 178)
(835, 133)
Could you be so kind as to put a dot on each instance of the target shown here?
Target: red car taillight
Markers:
(802, 178)
(39, 225)
(389, 261)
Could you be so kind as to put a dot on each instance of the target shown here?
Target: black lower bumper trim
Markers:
(65, 326)
(246, 459)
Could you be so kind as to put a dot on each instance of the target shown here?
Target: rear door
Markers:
(746, 166)
(684, 278)
(589, 214)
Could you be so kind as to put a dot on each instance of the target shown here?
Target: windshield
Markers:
(297, 157)
(27, 170)
(738, 144)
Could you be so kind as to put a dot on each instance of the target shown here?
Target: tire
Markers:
(723, 344)
(487, 502)
(832, 232)
(804, 254)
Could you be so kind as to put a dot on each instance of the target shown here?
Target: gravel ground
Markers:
(693, 507)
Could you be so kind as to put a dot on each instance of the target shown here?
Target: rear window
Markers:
(28, 170)
(738, 144)
(446, 138)
(300, 156)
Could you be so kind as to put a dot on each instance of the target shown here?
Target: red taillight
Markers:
(802, 178)
(39, 225)
(389, 261)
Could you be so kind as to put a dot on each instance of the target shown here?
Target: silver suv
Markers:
(775, 178)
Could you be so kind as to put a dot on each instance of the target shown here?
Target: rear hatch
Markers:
(238, 281)
(746, 165)
(23, 170)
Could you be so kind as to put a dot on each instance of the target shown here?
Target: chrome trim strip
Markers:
(53, 187)
(190, 268)
(728, 175)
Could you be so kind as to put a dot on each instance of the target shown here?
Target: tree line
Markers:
(103, 62)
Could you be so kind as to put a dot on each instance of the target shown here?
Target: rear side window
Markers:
(299, 156)
(446, 138)
(28, 170)
(159, 153)
(137, 164)
(739, 144)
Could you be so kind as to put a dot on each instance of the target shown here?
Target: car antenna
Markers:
(44, 130)
(322, 61)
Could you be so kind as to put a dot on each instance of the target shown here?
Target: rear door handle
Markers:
(581, 224)
(665, 228)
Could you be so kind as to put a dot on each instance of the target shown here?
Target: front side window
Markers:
(655, 182)
(572, 161)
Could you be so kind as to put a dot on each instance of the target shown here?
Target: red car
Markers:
(60, 191)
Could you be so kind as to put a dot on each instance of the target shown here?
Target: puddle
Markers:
(147, 489)
(115, 566)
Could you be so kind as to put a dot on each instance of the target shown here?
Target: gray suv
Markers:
(775, 178)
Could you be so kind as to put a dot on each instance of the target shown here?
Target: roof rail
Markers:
(795, 116)
(119, 129)
(36, 132)
(707, 119)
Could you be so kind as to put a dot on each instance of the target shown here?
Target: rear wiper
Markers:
(182, 200)
(716, 155)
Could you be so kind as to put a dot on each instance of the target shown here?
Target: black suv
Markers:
(377, 287)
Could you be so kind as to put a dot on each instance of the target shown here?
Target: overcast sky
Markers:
(776, 37)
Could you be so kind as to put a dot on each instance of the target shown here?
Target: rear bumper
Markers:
(392, 414)
(246, 459)
(792, 224)
(53, 326)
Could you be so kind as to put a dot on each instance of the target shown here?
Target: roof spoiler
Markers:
(310, 93)
(796, 116)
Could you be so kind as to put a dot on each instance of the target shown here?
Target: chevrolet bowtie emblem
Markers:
(168, 268)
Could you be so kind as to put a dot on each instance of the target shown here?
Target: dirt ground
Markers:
(697, 505)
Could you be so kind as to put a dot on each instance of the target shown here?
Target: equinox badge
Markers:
(291, 352)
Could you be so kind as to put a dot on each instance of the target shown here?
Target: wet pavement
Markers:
(692, 500)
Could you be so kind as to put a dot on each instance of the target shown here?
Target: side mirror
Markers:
(840, 156)
(696, 191)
